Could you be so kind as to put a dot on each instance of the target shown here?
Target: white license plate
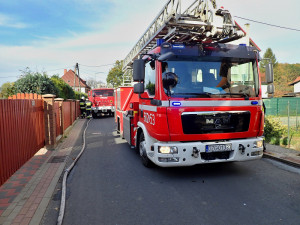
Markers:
(218, 148)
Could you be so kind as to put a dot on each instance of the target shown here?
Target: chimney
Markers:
(247, 26)
(65, 71)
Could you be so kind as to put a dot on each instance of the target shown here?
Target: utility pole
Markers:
(78, 80)
(74, 77)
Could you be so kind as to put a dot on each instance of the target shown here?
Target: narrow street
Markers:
(109, 185)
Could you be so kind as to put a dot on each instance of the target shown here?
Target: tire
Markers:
(94, 115)
(142, 150)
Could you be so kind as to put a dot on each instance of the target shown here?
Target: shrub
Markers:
(285, 141)
(78, 95)
(274, 129)
(35, 82)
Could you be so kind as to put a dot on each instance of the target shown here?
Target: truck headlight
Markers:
(167, 150)
(258, 144)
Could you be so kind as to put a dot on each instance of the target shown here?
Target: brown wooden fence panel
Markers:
(77, 109)
(22, 133)
(73, 111)
(57, 118)
(66, 114)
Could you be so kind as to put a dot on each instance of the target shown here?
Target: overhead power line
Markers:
(98, 65)
(92, 71)
(9, 76)
(59, 69)
(268, 24)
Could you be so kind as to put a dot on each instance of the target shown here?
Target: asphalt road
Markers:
(110, 186)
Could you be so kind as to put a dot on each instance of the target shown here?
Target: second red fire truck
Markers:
(197, 97)
(102, 101)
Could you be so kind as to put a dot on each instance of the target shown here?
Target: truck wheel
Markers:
(142, 149)
(94, 115)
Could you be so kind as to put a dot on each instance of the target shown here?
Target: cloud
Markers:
(9, 21)
(121, 30)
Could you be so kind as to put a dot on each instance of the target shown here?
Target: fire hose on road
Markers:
(64, 183)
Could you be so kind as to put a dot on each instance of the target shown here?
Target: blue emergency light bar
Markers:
(178, 46)
(159, 42)
(214, 50)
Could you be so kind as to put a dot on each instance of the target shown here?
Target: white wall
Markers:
(297, 87)
(264, 89)
(81, 88)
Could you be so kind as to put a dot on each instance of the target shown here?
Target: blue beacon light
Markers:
(176, 103)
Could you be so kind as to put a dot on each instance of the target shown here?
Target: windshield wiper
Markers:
(243, 94)
(203, 95)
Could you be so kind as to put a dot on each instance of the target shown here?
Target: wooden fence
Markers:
(25, 126)
(21, 133)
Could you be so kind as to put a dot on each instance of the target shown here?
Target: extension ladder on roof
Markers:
(201, 22)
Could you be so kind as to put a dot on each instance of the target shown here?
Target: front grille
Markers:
(215, 122)
(215, 155)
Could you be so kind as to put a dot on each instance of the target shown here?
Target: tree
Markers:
(35, 82)
(7, 89)
(115, 75)
(284, 74)
(94, 83)
(64, 90)
(268, 55)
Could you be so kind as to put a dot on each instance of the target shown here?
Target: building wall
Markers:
(83, 89)
(264, 89)
(297, 87)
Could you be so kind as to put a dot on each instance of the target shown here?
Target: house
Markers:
(296, 84)
(73, 80)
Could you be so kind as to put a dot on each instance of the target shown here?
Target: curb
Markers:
(279, 159)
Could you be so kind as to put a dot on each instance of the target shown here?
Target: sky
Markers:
(53, 35)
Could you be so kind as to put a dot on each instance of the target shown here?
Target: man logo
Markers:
(209, 121)
(218, 123)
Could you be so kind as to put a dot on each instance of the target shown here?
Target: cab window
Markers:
(150, 78)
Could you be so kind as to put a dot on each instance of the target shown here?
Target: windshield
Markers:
(103, 93)
(212, 79)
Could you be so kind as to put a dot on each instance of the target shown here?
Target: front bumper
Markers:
(103, 109)
(192, 153)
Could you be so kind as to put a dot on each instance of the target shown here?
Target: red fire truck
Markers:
(102, 101)
(197, 97)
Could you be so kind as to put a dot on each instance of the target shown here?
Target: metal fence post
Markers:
(288, 123)
(297, 115)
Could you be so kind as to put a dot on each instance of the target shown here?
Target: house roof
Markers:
(263, 78)
(295, 81)
(68, 77)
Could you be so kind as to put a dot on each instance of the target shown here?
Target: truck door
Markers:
(154, 117)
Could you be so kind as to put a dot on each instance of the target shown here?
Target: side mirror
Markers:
(94, 95)
(269, 73)
(138, 70)
(138, 88)
(271, 89)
